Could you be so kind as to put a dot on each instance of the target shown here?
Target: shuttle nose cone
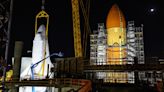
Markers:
(40, 35)
(41, 28)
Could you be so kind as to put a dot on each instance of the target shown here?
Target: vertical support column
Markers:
(163, 80)
(136, 76)
(154, 76)
(17, 63)
(59, 89)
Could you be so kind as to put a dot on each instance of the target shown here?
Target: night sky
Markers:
(60, 28)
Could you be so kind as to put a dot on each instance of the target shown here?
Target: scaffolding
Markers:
(101, 45)
(139, 44)
(93, 48)
(4, 17)
(131, 42)
(122, 55)
(135, 43)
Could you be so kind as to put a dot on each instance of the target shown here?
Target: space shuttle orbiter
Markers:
(41, 63)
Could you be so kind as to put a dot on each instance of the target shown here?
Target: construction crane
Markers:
(5, 27)
(76, 29)
(79, 48)
(4, 18)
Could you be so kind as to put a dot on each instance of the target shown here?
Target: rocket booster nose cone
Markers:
(41, 28)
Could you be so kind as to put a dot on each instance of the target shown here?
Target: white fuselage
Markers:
(40, 51)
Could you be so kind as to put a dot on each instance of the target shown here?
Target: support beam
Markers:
(17, 63)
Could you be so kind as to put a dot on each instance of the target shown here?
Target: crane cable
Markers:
(87, 29)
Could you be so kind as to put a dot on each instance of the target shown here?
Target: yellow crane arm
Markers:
(76, 28)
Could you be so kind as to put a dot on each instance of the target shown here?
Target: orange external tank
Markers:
(116, 36)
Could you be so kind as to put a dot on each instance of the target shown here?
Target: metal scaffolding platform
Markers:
(81, 84)
(129, 67)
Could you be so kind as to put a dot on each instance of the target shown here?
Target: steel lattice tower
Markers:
(4, 16)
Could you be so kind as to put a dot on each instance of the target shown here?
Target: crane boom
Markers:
(76, 29)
